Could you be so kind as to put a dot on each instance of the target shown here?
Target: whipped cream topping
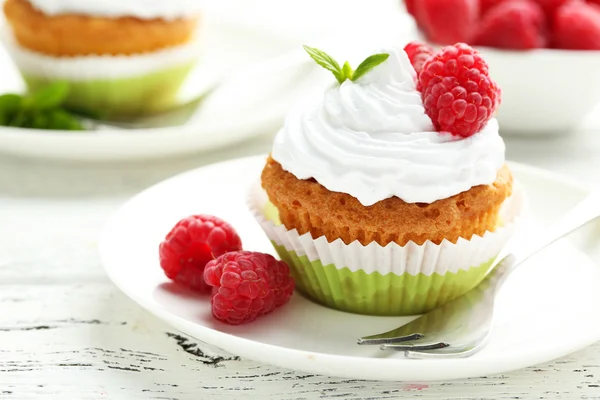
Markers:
(143, 9)
(372, 140)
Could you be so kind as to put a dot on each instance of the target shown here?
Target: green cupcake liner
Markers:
(389, 280)
(376, 294)
(121, 98)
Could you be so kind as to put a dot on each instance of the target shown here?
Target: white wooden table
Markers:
(66, 332)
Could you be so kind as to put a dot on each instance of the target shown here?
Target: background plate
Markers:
(227, 49)
(546, 310)
(252, 51)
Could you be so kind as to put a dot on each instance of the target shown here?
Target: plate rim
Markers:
(30, 143)
(317, 362)
(288, 59)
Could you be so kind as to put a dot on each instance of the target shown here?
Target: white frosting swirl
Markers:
(372, 139)
(142, 9)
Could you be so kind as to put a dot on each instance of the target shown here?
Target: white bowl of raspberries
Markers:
(544, 54)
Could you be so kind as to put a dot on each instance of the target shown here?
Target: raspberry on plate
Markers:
(247, 285)
(514, 24)
(418, 53)
(448, 21)
(577, 27)
(191, 244)
(458, 93)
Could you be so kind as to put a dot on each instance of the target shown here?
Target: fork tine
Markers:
(415, 347)
(381, 340)
(448, 329)
(420, 354)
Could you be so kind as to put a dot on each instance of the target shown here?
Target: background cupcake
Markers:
(121, 57)
(377, 209)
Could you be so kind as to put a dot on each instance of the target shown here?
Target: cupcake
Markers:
(380, 202)
(124, 58)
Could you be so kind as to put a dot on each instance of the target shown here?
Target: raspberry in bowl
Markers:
(544, 54)
(389, 194)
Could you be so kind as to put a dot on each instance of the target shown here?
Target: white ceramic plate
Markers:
(547, 309)
(260, 69)
(575, 93)
(254, 71)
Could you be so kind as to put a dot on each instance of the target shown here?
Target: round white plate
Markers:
(252, 70)
(259, 70)
(546, 310)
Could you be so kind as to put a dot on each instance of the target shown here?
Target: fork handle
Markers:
(584, 212)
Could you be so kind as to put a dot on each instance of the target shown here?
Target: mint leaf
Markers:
(42, 109)
(347, 71)
(39, 120)
(369, 63)
(62, 120)
(10, 103)
(48, 97)
(326, 61)
(86, 112)
(19, 120)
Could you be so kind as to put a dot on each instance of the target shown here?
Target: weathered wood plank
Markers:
(88, 341)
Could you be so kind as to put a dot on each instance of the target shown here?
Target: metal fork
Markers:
(462, 327)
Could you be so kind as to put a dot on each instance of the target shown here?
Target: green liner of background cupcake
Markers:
(118, 87)
(390, 280)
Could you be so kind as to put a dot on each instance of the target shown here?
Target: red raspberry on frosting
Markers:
(191, 244)
(418, 53)
(458, 94)
(247, 285)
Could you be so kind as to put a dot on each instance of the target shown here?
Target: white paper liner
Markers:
(413, 259)
(97, 67)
